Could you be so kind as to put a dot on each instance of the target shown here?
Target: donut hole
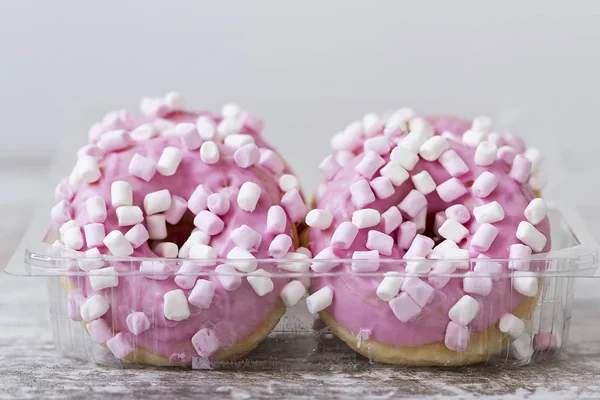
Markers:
(469, 183)
(179, 232)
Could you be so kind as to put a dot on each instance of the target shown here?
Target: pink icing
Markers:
(355, 303)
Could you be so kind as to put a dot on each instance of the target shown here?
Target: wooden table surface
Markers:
(30, 368)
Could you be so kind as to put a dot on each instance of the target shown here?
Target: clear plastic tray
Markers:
(301, 340)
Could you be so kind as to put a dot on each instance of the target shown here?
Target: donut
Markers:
(412, 230)
(188, 203)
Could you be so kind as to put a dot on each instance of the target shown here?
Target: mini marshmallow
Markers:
(87, 169)
(176, 210)
(489, 213)
(406, 234)
(247, 155)
(292, 292)
(451, 190)
(416, 138)
(329, 166)
(228, 126)
(137, 236)
(382, 187)
(477, 283)
(459, 213)
(169, 161)
(94, 234)
(121, 194)
(456, 337)
(453, 230)
(117, 244)
(156, 270)
(205, 342)
(142, 167)
(514, 141)
(464, 310)
(445, 247)
(242, 259)
(329, 256)
(187, 274)
(94, 307)
(538, 180)
(413, 203)
(209, 152)
(473, 138)
(228, 276)
(237, 140)
(209, 223)
(156, 202)
(525, 283)
(361, 193)
(61, 212)
(433, 148)
(157, 226)
(485, 154)
(296, 262)
(536, 211)
(484, 237)
(64, 191)
(519, 252)
(71, 224)
(438, 220)
(453, 164)
(482, 124)
(91, 150)
(390, 285)
(319, 300)
(521, 169)
(511, 325)
(420, 247)
(423, 182)
(166, 249)
(114, 140)
(365, 261)
(196, 237)
(206, 127)
(198, 201)
(437, 276)
(276, 220)
(305, 251)
(271, 161)
(484, 184)
(535, 156)
(492, 269)
(249, 195)
(371, 124)
(103, 278)
(395, 173)
(340, 141)
(529, 235)
(93, 260)
(399, 120)
(99, 331)
(319, 219)
(418, 265)
(378, 144)
(260, 282)
(176, 306)
(73, 239)
(344, 235)
(188, 134)
(119, 345)
(280, 245)
(144, 132)
(404, 308)
(288, 182)
(521, 348)
(418, 290)
(206, 255)
(392, 219)
(366, 218)
(506, 154)
(174, 101)
(354, 130)
(246, 238)
(202, 294)
(95, 131)
(381, 242)
(421, 221)
(404, 157)
(369, 165)
(129, 215)
(343, 157)
(294, 205)
(137, 322)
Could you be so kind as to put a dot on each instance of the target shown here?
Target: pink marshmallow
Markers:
(94, 234)
(418, 290)
(361, 193)
(452, 162)
(63, 191)
(254, 124)
(329, 166)
(437, 277)
(209, 223)
(271, 161)
(381, 242)
(484, 237)
(218, 204)
(247, 155)
(190, 138)
(61, 212)
(392, 219)
(427, 240)
(413, 203)
(205, 342)
(99, 330)
(382, 187)
(276, 220)
(176, 211)
(477, 283)
(294, 205)
(344, 235)
(506, 154)
(137, 236)
(142, 167)
(457, 337)
(114, 140)
(91, 150)
(137, 322)
(378, 144)
(74, 300)
(246, 238)
(280, 245)
(459, 213)
(96, 209)
(420, 247)
(120, 346)
(451, 190)
(406, 234)
(404, 308)
(198, 200)
(484, 184)
(370, 163)
(519, 251)
(520, 169)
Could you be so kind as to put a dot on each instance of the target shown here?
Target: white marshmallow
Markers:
(93, 260)
(366, 218)
(121, 194)
(418, 265)
(206, 127)
(228, 126)
(433, 148)
(73, 239)
(87, 169)
(228, 276)
(144, 132)
(399, 120)
(395, 173)
(202, 294)
(529, 235)
(371, 124)
(196, 237)
(156, 270)
(174, 101)
(511, 325)
(525, 283)
(418, 135)
(238, 140)
(535, 156)
(166, 249)
(169, 161)
(489, 213)
(538, 180)
(209, 152)
(230, 110)
(70, 224)
(117, 244)
(464, 311)
(260, 282)
(297, 262)
(94, 307)
(423, 182)
(536, 211)
(96, 209)
(242, 259)
(288, 182)
(176, 306)
(156, 202)
(472, 138)
(329, 262)
(129, 215)
(404, 157)
(453, 230)
(485, 154)
(292, 293)
(390, 285)
(482, 124)
(103, 278)
(319, 300)
(276, 220)
(521, 347)
(442, 249)
(248, 196)
(207, 254)
(319, 219)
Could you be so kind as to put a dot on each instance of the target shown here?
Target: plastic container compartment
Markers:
(300, 340)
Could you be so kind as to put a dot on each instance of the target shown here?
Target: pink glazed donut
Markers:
(181, 186)
(418, 189)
